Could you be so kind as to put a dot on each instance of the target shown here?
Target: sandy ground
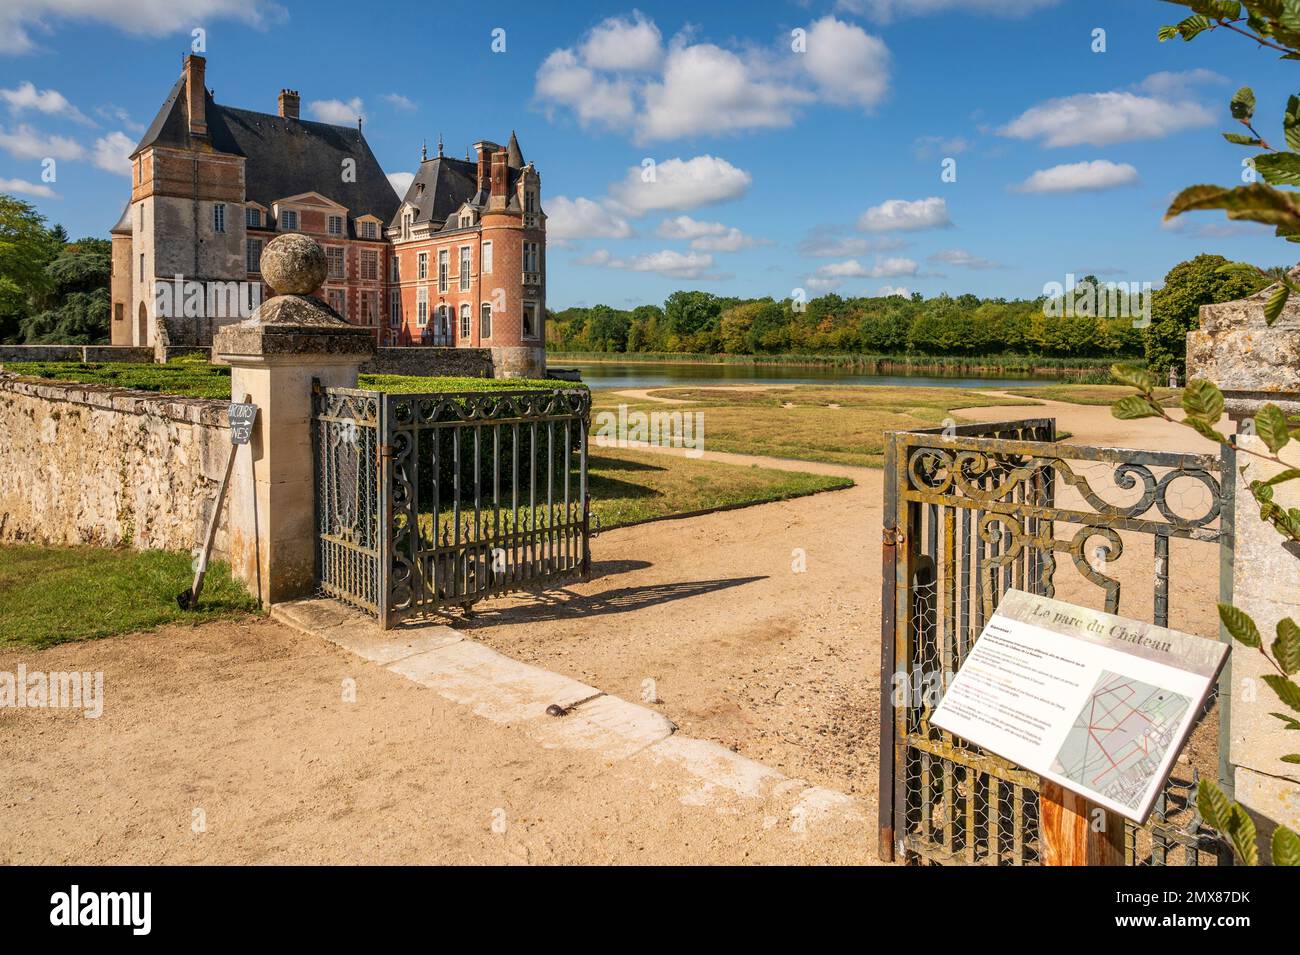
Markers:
(758, 628)
(710, 617)
(246, 722)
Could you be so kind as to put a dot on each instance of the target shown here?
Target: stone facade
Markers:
(1254, 363)
(82, 353)
(431, 362)
(89, 464)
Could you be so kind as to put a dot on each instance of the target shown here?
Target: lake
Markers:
(623, 375)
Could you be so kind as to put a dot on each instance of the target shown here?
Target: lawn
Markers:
(630, 487)
(837, 425)
(52, 595)
(1094, 394)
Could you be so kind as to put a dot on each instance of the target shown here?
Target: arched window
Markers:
(485, 321)
(465, 322)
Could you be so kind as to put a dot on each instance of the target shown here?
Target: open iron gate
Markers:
(425, 501)
(973, 511)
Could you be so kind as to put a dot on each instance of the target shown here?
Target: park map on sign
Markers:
(1120, 736)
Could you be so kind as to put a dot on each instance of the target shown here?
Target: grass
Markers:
(631, 487)
(837, 425)
(190, 378)
(1094, 394)
(51, 595)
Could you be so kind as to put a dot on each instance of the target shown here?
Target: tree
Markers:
(607, 329)
(1176, 307)
(26, 248)
(688, 313)
(77, 300)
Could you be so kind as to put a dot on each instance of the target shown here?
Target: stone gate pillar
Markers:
(1254, 364)
(291, 339)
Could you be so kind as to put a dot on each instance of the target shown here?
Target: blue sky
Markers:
(774, 169)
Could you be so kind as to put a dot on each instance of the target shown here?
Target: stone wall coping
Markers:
(210, 412)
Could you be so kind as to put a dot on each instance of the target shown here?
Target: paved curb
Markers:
(506, 690)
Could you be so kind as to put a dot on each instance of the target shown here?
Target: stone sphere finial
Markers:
(293, 264)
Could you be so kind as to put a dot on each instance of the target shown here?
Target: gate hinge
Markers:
(893, 537)
(385, 450)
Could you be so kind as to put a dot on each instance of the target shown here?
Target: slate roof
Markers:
(284, 157)
(442, 185)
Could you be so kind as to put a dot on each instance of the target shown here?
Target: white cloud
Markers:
(887, 290)
(886, 10)
(398, 101)
(667, 262)
(338, 112)
(678, 184)
(563, 81)
(18, 18)
(924, 147)
(886, 268)
(903, 215)
(828, 242)
(1080, 177)
(964, 259)
(707, 236)
(621, 76)
(27, 143)
(26, 188)
(25, 96)
(1161, 106)
(624, 43)
(401, 181)
(581, 218)
(119, 115)
(112, 153)
(849, 65)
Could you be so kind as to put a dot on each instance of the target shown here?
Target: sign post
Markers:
(1096, 704)
(241, 415)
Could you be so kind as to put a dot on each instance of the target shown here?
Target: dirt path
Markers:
(247, 723)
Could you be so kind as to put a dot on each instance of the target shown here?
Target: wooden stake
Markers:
(1068, 827)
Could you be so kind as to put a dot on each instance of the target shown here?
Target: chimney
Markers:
(498, 199)
(196, 99)
(485, 149)
(288, 103)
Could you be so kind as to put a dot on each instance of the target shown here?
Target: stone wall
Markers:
(74, 353)
(424, 362)
(90, 464)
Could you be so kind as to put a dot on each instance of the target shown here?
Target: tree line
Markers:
(965, 326)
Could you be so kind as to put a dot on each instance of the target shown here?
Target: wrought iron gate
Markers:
(973, 511)
(425, 501)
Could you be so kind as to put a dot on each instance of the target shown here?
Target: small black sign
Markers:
(242, 417)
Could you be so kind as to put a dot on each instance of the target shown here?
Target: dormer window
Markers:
(334, 225)
(289, 220)
(369, 230)
(253, 218)
(466, 220)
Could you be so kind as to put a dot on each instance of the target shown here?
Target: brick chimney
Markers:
(500, 171)
(485, 149)
(196, 100)
(288, 103)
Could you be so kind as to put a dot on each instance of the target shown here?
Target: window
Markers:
(218, 217)
(444, 257)
(395, 312)
(139, 171)
(531, 257)
(464, 322)
(334, 256)
(141, 266)
(464, 268)
(530, 320)
(394, 272)
(407, 219)
(334, 225)
(466, 221)
(485, 266)
(369, 230)
(253, 218)
(254, 263)
(289, 220)
(444, 321)
(485, 320)
(530, 202)
(338, 301)
(369, 265)
(369, 309)
(422, 307)
(422, 265)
